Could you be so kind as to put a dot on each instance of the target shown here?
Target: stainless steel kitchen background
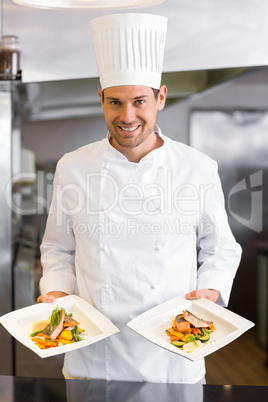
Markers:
(47, 136)
(56, 109)
(238, 141)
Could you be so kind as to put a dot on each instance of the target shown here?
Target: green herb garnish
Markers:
(35, 333)
(55, 317)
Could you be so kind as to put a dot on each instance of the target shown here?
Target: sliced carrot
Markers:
(43, 342)
(177, 334)
(69, 324)
(169, 330)
(40, 334)
(52, 345)
(174, 338)
(40, 346)
(62, 338)
(39, 340)
(64, 342)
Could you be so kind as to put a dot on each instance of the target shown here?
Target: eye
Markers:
(113, 102)
(140, 102)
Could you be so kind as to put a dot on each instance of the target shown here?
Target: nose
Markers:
(127, 114)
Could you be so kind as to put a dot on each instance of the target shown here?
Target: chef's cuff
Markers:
(217, 282)
(57, 281)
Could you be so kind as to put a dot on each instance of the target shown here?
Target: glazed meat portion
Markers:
(186, 320)
(54, 331)
(69, 322)
(195, 321)
(182, 325)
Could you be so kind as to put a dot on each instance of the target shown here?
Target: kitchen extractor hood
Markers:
(208, 43)
(84, 4)
(66, 99)
(202, 35)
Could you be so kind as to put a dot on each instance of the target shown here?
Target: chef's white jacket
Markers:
(126, 237)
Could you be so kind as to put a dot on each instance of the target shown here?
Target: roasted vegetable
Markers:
(189, 335)
(60, 330)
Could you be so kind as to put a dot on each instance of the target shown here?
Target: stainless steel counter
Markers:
(38, 389)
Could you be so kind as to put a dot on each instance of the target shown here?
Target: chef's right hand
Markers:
(50, 297)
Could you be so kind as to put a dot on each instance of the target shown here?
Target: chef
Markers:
(136, 218)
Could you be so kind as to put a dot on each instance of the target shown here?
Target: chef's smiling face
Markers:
(130, 113)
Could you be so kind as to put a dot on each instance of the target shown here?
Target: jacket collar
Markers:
(113, 153)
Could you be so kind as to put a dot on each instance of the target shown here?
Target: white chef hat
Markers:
(129, 48)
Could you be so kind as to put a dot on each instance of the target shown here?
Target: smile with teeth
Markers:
(129, 129)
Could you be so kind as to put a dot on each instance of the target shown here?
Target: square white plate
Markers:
(153, 323)
(19, 324)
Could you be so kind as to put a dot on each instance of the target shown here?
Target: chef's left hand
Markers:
(210, 294)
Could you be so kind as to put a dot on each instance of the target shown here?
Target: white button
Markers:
(160, 167)
(104, 248)
(107, 286)
(157, 248)
(153, 287)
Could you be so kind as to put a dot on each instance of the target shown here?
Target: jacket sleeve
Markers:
(58, 246)
(218, 252)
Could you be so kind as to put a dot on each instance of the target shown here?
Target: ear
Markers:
(162, 97)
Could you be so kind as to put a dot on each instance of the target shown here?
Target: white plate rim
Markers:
(9, 321)
(180, 303)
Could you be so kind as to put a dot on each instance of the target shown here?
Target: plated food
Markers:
(153, 323)
(60, 329)
(23, 322)
(189, 332)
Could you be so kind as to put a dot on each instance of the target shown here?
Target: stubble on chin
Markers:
(131, 142)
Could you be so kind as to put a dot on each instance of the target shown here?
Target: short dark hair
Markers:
(156, 93)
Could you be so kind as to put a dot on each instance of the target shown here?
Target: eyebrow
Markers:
(118, 99)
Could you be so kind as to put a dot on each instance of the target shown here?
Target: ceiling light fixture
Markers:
(90, 4)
